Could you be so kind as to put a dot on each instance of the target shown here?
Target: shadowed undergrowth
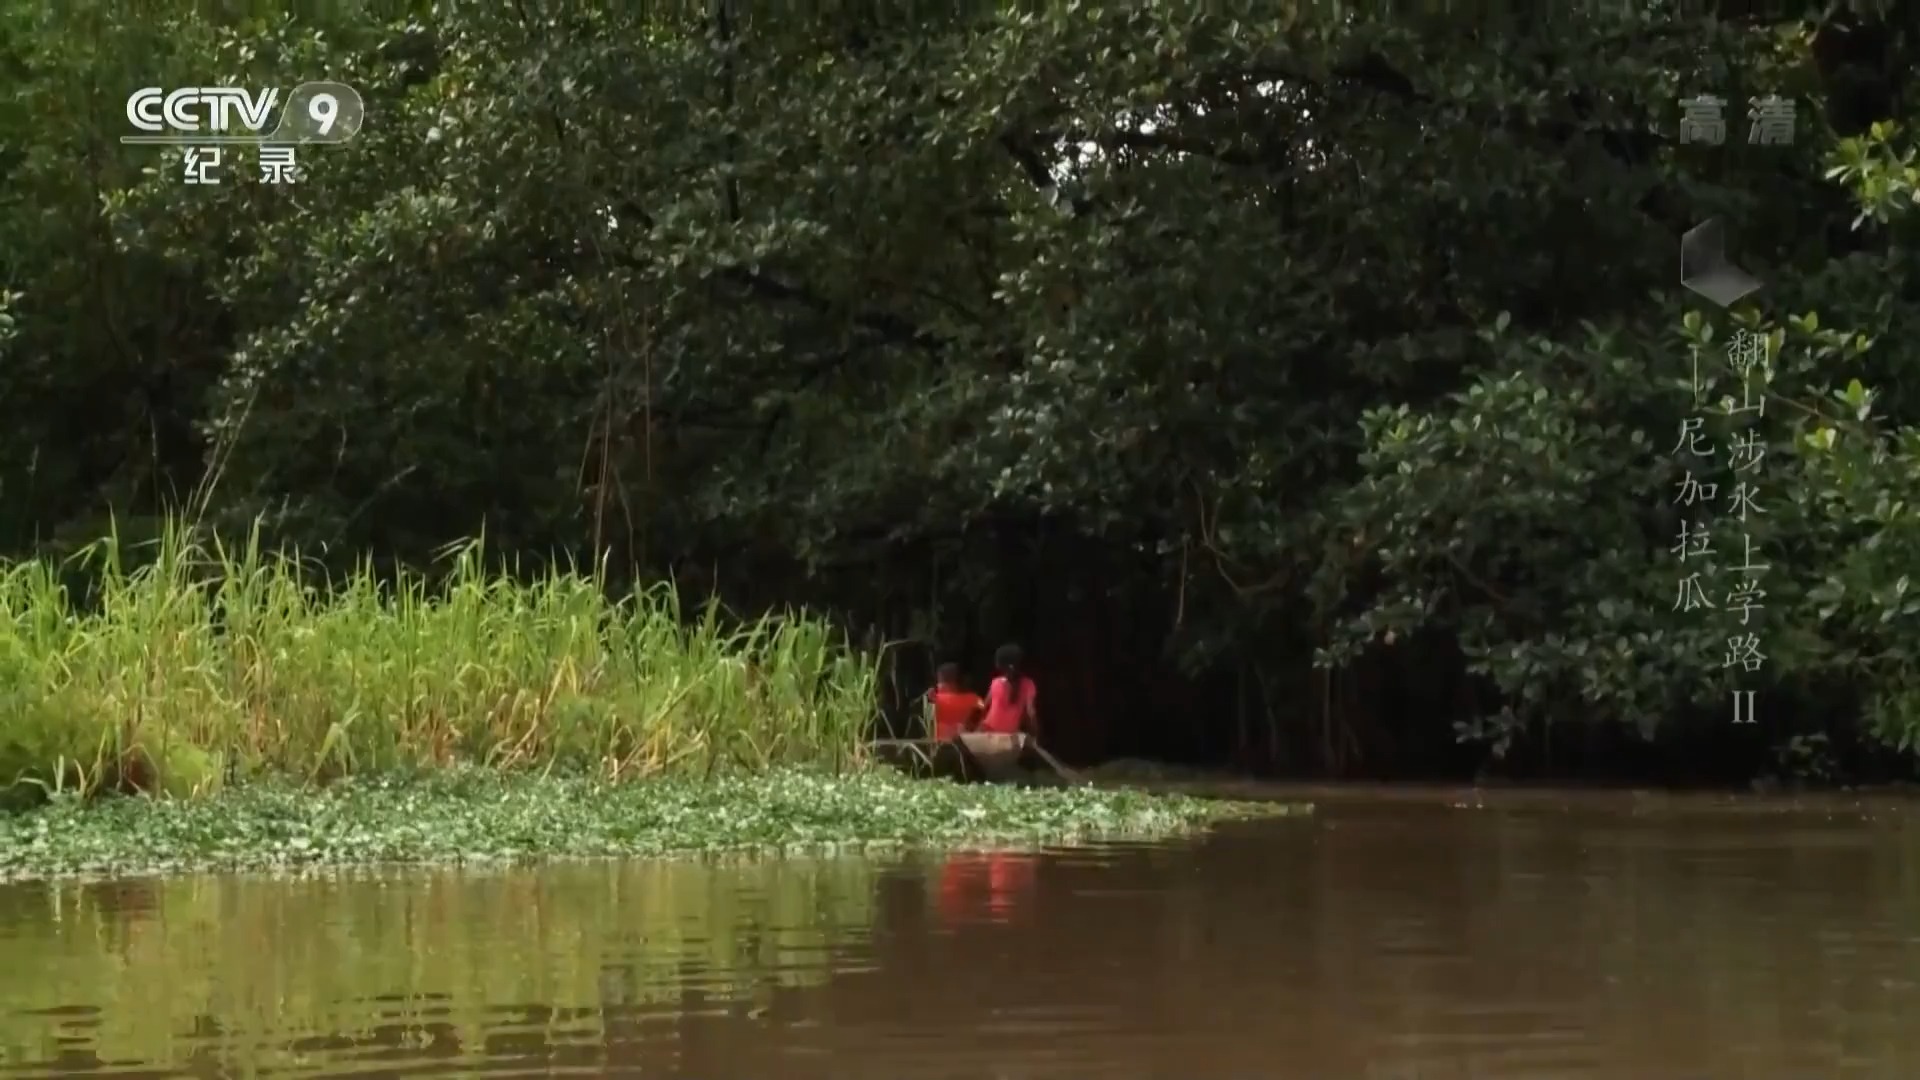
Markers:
(204, 664)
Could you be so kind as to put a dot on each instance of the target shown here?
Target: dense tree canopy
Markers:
(1299, 385)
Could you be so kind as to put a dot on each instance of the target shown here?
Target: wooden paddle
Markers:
(1053, 763)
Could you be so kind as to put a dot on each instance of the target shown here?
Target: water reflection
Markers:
(368, 968)
(984, 886)
(1390, 938)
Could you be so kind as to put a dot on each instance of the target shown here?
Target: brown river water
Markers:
(1397, 933)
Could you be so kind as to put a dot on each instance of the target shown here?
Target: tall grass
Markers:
(205, 663)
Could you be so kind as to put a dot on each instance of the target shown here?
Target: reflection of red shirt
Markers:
(952, 709)
(1003, 716)
(987, 885)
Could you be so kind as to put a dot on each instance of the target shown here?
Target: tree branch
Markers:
(886, 326)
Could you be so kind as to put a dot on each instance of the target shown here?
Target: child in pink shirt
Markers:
(1010, 707)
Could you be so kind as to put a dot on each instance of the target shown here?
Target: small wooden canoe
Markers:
(973, 757)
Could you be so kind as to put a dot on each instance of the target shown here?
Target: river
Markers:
(1397, 933)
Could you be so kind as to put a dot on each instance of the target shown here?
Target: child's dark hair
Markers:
(947, 673)
(1006, 660)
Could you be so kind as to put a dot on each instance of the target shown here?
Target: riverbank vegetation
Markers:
(175, 667)
(1253, 370)
(470, 815)
(287, 719)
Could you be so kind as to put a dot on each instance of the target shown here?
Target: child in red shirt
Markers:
(955, 709)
